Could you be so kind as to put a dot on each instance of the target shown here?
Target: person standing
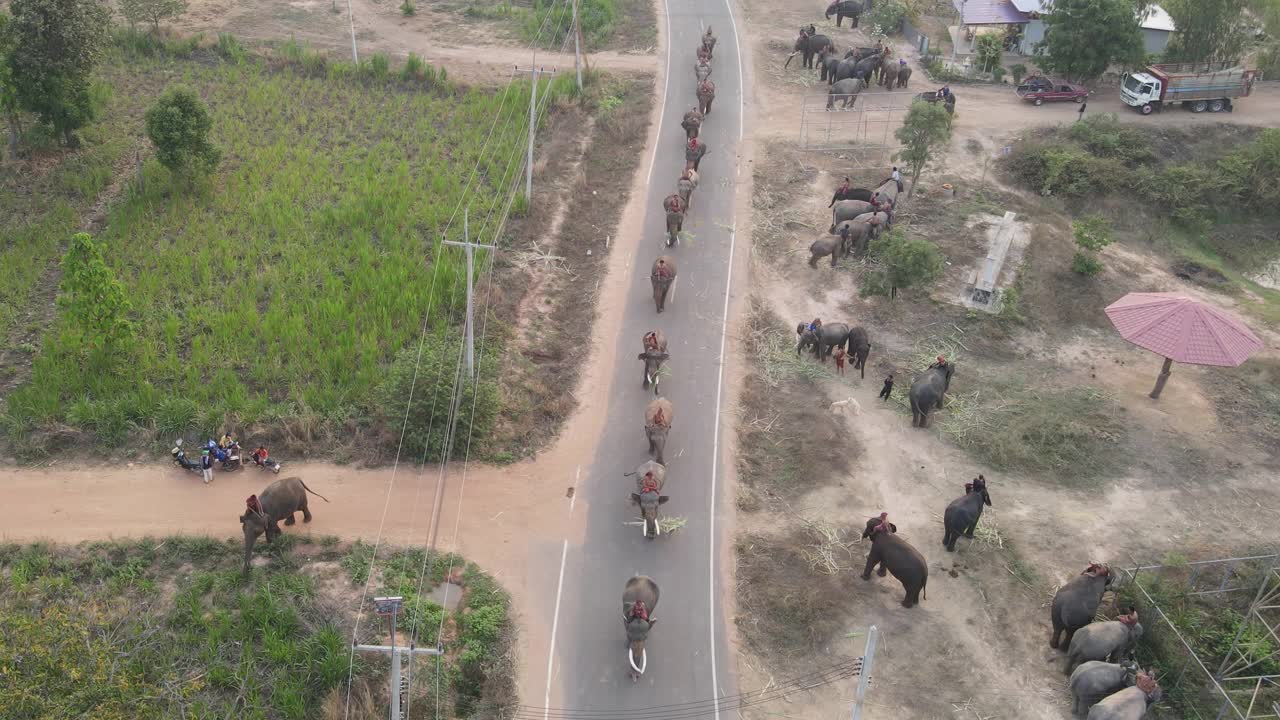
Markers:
(1080, 112)
(897, 177)
(888, 387)
(206, 466)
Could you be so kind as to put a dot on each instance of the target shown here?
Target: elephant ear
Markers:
(635, 497)
(663, 356)
(662, 499)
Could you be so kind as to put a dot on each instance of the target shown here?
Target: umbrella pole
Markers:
(1165, 372)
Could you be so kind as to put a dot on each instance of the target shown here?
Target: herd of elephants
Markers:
(1104, 682)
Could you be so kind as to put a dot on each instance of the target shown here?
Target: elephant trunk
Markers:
(250, 537)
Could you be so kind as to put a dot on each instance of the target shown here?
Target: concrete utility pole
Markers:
(533, 119)
(389, 607)
(864, 672)
(577, 45)
(959, 30)
(470, 247)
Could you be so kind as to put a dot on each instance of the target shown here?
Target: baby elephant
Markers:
(1095, 680)
(824, 246)
(1112, 640)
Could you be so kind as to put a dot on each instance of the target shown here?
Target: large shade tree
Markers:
(1082, 38)
(55, 46)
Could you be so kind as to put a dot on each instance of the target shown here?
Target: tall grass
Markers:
(281, 289)
(554, 21)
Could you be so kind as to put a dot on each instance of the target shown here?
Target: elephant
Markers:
(702, 71)
(280, 499)
(961, 517)
(709, 42)
(888, 76)
(842, 70)
(854, 236)
(1076, 603)
(847, 210)
(653, 356)
(867, 67)
(888, 190)
(846, 91)
(675, 217)
(827, 59)
(859, 348)
(639, 600)
(706, 93)
(847, 9)
(1130, 703)
(693, 153)
(904, 74)
(1111, 640)
(928, 391)
(651, 478)
(828, 338)
(862, 194)
(685, 186)
(662, 276)
(875, 220)
(824, 246)
(1095, 680)
(808, 46)
(691, 123)
(657, 424)
(896, 555)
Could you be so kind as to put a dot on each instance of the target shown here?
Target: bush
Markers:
(1085, 264)
(1067, 170)
(1253, 170)
(595, 16)
(407, 8)
(997, 73)
(902, 262)
(178, 125)
(230, 49)
(988, 49)
(1019, 71)
(1092, 234)
(151, 11)
(1104, 136)
(887, 16)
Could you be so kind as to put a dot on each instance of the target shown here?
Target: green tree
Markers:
(926, 130)
(9, 106)
(1084, 37)
(1207, 30)
(988, 49)
(151, 11)
(178, 125)
(56, 44)
(91, 297)
(1092, 234)
(901, 262)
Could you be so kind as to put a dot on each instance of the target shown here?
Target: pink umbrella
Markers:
(1183, 329)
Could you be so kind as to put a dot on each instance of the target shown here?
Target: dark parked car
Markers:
(1040, 90)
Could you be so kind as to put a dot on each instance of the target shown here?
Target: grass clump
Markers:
(554, 22)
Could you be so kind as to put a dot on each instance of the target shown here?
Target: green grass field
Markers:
(169, 629)
(277, 292)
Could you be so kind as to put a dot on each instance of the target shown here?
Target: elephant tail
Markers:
(924, 588)
(313, 492)
(914, 407)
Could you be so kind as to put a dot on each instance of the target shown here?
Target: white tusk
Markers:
(631, 658)
(657, 528)
(644, 660)
(674, 280)
(644, 528)
(648, 377)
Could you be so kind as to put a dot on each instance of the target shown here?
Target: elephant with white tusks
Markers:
(639, 600)
(651, 478)
(655, 353)
(1112, 640)
(1095, 680)
(279, 501)
(1130, 703)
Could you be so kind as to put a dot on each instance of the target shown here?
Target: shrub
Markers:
(230, 49)
(1253, 170)
(988, 49)
(1091, 234)
(888, 15)
(1067, 170)
(178, 125)
(902, 262)
(1104, 136)
(151, 11)
(92, 299)
(1085, 264)
(1019, 71)
(553, 21)
(407, 8)
(997, 73)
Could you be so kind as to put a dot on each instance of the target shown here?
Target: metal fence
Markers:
(915, 36)
(1212, 635)
(865, 130)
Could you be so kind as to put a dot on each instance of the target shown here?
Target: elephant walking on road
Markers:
(675, 217)
(280, 500)
(662, 275)
(896, 555)
(655, 353)
(702, 70)
(693, 153)
(691, 123)
(928, 392)
(639, 601)
(961, 516)
(888, 76)
(685, 186)
(651, 478)
(1076, 603)
(706, 93)
(657, 424)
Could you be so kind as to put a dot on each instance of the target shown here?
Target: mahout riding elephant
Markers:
(691, 123)
(655, 353)
(847, 210)
(704, 56)
(904, 74)
(808, 46)
(888, 76)
(859, 349)
(875, 221)
(846, 91)
(961, 517)
(1131, 703)
(824, 246)
(867, 67)
(862, 194)
(279, 500)
(1076, 603)
(896, 555)
(888, 190)
(1095, 680)
(693, 153)
(675, 209)
(639, 601)
(661, 276)
(828, 337)
(854, 236)
(702, 71)
(847, 9)
(709, 42)
(651, 478)
(1111, 640)
(928, 392)
(706, 93)
(657, 423)
(685, 186)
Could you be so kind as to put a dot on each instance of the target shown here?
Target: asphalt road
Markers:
(688, 654)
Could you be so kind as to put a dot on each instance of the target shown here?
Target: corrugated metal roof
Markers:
(990, 12)
(1157, 19)
(1029, 6)
(1183, 329)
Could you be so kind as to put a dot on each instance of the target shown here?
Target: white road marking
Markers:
(555, 622)
(576, 489)
(662, 111)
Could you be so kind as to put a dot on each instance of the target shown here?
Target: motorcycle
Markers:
(229, 457)
(266, 463)
(180, 458)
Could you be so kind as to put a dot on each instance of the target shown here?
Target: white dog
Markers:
(839, 405)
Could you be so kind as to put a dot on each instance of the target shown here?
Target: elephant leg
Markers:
(883, 570)
(709, 101)
(289, 519)
(306, 511)
(1066, 641)
(834, 255)
(971, 530)
(871, 562)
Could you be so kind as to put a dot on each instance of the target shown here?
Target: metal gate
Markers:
(865, 129)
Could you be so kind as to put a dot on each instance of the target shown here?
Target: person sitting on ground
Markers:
(260, 455)
(840, 192)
